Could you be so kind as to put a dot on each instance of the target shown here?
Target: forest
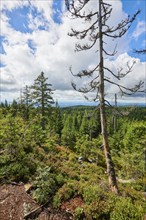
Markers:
(59, 151)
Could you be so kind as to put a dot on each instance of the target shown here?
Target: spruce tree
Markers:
(26, 100)
(42, 95)
(57, 123)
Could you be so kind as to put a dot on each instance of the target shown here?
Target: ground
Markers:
(16, 203)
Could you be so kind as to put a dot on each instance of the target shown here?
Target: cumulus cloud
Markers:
(47, 47)
(11, 5)
(137, 74)
(140, 29)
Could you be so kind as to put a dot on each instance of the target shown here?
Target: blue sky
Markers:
(130, 7)
(34, 39)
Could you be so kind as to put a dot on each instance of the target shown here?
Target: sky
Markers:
(34, 38)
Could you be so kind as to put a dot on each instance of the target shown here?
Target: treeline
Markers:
(77, 128)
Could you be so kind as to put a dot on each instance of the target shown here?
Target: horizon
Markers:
(88, 104)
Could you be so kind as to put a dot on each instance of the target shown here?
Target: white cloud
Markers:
(53, 52)
(44, 7)
(11, 5)
(137, 73)
(140, 29)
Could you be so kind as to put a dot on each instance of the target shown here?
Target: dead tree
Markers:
(94, 33)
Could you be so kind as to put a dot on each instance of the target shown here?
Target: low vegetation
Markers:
(65, 162)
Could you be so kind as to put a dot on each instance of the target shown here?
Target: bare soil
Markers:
(16, 203)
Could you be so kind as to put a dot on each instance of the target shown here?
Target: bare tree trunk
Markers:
(110, 165)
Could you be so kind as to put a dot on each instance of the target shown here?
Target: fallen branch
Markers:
(34, 213)
(126, 181)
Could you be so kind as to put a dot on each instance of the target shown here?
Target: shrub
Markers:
(46, 184)
(79, 214)
(124, 209)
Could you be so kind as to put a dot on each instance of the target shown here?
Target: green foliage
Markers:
(56, 121)
(10, 134)
(137, 114)
(79, 214)
(18, 161)
(92, 193)
(68, 133)
(18, 170)
(41, 96)
(87, 148)
(78, 123)
(25, 147)
(125, 209)
(46, 183)
(42, 92)
(68, 190)
(135, 136)
(26, 102)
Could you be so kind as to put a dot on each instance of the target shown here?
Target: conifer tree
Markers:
(57, 123)
(95, 32)
(26, 100)
(42, 95)
(14, 108)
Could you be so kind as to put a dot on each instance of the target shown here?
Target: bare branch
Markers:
(142, 51)
(106, 13)
(110, 71)
(82, 89)
(111, 54)
(82, 34)
(119, 74)
(122, 27)
(126, 90)
(94, 83)
(79, 47)
(75, 11)
(83, 73)
(130, 68)
(115, 109)
(103, 3)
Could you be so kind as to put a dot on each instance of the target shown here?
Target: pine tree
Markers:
(98, 28)
(42, 95)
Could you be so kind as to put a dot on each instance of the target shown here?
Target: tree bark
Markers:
(109, 162)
